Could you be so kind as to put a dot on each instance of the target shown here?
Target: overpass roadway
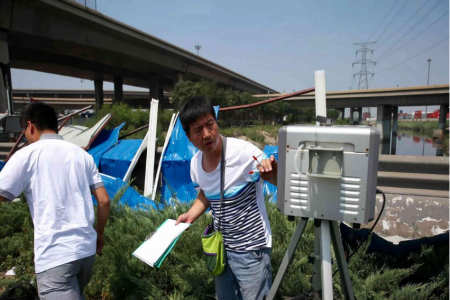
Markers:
(65, 38)
(401, 96)
(387, 102)
(77, 99)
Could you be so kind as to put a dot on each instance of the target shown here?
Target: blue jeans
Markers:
(247, 276)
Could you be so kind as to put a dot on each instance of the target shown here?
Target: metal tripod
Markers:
(322, 281)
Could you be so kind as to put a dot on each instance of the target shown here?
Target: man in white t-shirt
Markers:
(244, 223)
(57, 178)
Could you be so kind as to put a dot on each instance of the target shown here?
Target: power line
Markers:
(392, 7)
(413, 56)
(402, 25)
(412, 28)
(398, 12)
(363, 83)
(414, 37)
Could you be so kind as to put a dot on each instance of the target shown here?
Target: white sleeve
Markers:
(249, 163)
(193, 173)
(14, 177)
(95, 180)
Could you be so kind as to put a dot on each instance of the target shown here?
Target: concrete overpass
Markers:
(387, 102)
(65, 38)
(77, 99)
(400, 96)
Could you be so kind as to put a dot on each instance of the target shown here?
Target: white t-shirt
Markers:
(57, 178)
(245, 225)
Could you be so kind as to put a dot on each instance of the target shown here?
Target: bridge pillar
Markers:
(6, 100)
(98, 84)
(156, 91)
(177, 77)
(394, 129)
(118, 90)
(384, 114)
(342, 111)
(359, 110)
(443, 111)
(352, 115)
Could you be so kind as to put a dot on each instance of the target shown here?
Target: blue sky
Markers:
(281, 43)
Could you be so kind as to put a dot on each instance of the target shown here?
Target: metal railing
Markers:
(92, 4)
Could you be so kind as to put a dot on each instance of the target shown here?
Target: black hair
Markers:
(42, 115)
(193, 109)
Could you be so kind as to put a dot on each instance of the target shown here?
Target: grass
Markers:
(253, 133)
(426, 127)
(183, 275)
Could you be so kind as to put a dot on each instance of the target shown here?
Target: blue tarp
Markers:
(268, 188)
(2, 164)
(131, 197)
(176, 165)
(116, 161)
(104, 141)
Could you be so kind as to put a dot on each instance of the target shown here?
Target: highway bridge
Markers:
(77, 99)
(387, 102)
(65, 38)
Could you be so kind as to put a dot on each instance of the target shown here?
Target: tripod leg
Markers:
(325, 252)
(287, 257)
(342, 264)
(316, 284)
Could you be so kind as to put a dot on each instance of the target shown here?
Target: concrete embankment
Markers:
(430, 174)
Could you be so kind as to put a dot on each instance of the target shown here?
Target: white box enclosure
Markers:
(328, 172)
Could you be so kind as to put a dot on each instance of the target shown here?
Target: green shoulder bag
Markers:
(212, 241)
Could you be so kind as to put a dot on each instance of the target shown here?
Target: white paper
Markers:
(152, 249)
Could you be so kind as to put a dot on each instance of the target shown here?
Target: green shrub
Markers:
(133, 118)
(183, 275)
(422, 126)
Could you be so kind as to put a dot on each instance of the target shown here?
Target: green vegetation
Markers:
(183, 275)
(240, 121)
(424, 127)
(346, 121)
(226, 97)
(258, 134)
(272, 113)
(134, 119)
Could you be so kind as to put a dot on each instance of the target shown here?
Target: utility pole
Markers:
(198, 47)
(363, 82)
(428, 83)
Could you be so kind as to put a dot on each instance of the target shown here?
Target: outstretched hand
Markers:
(269, 170)
(184, 218)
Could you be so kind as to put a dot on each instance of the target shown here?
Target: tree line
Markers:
(272, 113)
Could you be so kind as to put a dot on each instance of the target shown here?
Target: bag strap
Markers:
(222, 176)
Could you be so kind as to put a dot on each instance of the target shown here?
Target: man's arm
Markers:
(200, 205)
(102, 198)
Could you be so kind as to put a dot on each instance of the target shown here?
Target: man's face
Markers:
(204, 134)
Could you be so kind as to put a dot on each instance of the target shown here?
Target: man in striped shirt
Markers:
(244, 223)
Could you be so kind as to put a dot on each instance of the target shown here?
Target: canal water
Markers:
(413, 143)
